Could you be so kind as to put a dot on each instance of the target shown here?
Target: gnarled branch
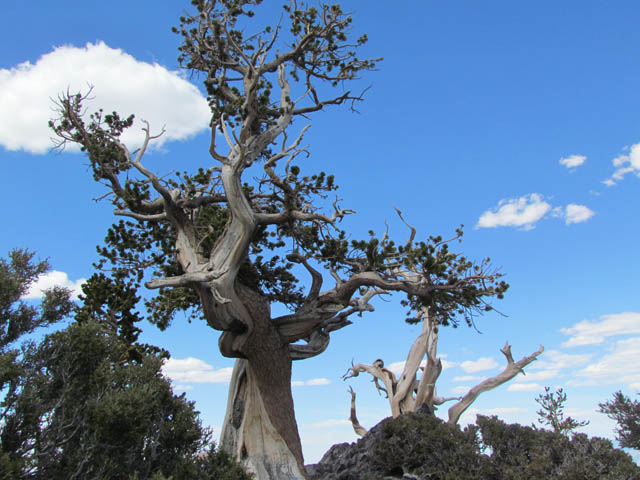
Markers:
(510, 371)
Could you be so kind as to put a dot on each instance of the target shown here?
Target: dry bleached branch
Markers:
(408, 394)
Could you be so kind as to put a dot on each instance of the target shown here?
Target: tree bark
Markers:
(260, 427)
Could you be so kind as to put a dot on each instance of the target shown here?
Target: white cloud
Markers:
(541, 375)
(460, 389)
(483, 363)
(183, 388)
(447, 364)
(328, 424)
(509, 414)
(525, 387)
(577, 213)
(573, 161)
(468, 378)
(516, 212)
(194, 370)
(626, 163)
(593, 333)
(311, 383)
(318, 381)
(396, 367)
(617, 367)
(51, 279)
(554, 360)
(121, 83)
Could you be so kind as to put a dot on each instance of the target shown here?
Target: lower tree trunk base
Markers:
(249, 434)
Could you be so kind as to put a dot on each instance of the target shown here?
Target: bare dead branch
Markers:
(359, 429)
(510, 371)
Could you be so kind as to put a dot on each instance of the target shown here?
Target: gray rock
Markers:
(353, 461)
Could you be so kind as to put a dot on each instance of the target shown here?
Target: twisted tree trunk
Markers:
(260, 428)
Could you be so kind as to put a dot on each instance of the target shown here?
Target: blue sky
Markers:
(518, 119)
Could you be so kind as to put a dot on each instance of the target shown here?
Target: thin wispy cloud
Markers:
(525, 387)
(51, 279)
(573, 161)
(460, 389)
(596, 332)
(624, 164)
(121, 83)
(613, 368)
(468, 378)
(555, 360)
(483, 363)
(328, 424)
(539, 375)
(311, 383)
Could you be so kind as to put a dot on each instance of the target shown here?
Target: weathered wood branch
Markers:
(379, 373)
(511, 370)
(317, 343)
(359, 429)
(408, 394)
(316, 277)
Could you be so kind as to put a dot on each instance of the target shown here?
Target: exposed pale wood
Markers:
(359, 429)
(407, 394)
(511, 370)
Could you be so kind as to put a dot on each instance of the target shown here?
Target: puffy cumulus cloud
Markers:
(483, 363)
(521, 212)
(121, 83)
(311, 383)
(194, 370)
(594, 333)
(577, 213)
(526, 211)
(51, 279)
(573, 161)
(628, 162)
(525, 387)
(614, 368)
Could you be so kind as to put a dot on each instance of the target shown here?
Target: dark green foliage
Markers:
(626, 413)
(317, 49)
(526, 453)
(552, 412)
(18, 318)
(84, 409)
(423, 446)
(330, 57)
(461, 287)
(426, 446)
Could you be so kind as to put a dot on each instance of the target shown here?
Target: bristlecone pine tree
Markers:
(212, 240)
